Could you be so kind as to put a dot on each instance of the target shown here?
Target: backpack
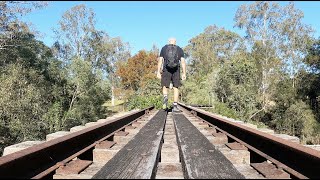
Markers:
(172, 59)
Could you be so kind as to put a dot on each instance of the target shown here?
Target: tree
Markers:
(138, 80)
(237, 86)
(23, 102)
(13, 32)
(309, 90)
(11, 28)
(32, 80)
(89, 91)
(296, 38)
(75, 28)
(212, 48)
(261, 20)
(207, 53)
(297, 120)
(136, 72)
(120, 54)
(78, 38)
(312, 58)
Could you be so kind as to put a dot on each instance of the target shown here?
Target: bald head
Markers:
(172, 41)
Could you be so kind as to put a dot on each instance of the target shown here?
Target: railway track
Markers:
(43, 160)
(156, 144)
(271, 156)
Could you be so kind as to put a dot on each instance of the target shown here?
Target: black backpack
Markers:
(172, 57)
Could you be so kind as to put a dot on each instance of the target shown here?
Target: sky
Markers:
(146, 23)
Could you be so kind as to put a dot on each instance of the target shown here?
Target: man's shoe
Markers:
(176, 109)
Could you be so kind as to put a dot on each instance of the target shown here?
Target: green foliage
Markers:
(210, 49)
(313, 56)
(283, 99)
(315, 138)
(296, 37)
(22, 102)
(88, 91)
(223, 109)
(54, 116)
(141, 102)
(297, 120)
(13, 30)
(139, 81)
(237, 86)
(41, 94)
(286, 95)
(192, 90)
(150, 88)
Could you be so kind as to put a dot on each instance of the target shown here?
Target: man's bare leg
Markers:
(165, 91)
(165, 97)
(175, 99)
(175, 94)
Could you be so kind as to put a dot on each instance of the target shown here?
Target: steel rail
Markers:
(296, 159)
(39, 161)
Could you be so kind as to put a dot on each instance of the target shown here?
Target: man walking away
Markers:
(171, 56)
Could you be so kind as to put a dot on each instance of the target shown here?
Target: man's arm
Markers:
(183, 64)
(160, 62)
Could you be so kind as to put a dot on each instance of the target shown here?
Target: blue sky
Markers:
(143, 24)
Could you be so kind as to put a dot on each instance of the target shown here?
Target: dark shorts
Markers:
(170, 76)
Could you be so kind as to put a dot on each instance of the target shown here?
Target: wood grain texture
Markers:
(139, 157)
(200, 158)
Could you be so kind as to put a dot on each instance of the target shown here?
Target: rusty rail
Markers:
(42, 160)
(296, 159)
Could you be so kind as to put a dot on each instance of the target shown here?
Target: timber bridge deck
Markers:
(156, 144)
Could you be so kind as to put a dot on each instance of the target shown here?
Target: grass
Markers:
(116, 103)
(118, 107)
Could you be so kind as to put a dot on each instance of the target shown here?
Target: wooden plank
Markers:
(105, 145)
(121, 133)
(138, 158)
(199, 157)
(74, 167)
(270, 171)
(236, 146)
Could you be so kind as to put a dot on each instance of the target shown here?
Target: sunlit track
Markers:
(155, 144)
(249, 148)
(72, 152)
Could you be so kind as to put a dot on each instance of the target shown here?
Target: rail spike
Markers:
(194, 112)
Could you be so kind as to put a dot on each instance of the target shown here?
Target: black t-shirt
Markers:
(164, 55)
